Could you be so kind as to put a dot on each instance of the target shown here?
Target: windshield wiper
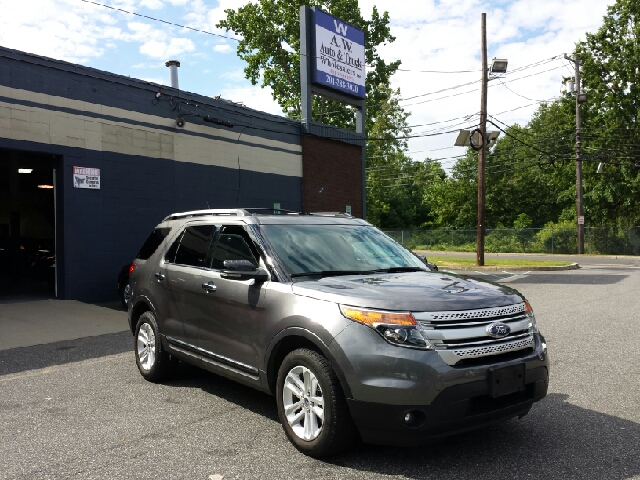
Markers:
(399, 270)
(332, 273)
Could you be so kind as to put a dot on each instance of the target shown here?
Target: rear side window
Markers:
(194, 246)
(152, 243)
(234, 244)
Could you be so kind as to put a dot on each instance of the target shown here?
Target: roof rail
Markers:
(331, 214)
(238, 212)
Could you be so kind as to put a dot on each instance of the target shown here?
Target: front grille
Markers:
(462, 335)
(495, 349)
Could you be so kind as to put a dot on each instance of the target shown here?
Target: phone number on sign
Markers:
(338, 82)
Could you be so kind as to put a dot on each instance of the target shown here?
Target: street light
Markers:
(499, 65)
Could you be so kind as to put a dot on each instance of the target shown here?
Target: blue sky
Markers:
(431, 35)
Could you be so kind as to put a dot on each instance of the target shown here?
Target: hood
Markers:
(411, 291)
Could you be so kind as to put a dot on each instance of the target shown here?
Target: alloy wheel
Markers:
(303, 403)
(146, 346)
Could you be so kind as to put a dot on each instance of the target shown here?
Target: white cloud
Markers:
(222, 48)
(164, 50)
(152, 4)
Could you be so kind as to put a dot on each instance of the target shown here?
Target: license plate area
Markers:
(506, 380)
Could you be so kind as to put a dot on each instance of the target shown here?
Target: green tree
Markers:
(611, 75)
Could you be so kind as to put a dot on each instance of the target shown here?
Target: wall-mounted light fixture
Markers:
(25, 170)
(48, 187)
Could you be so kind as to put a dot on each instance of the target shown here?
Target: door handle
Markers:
(160, 276)
(209, 287)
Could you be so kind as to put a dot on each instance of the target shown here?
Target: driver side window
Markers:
(234, 243)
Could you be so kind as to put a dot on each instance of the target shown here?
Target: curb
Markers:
(573, 266)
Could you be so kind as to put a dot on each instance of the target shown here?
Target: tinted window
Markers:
(170, 256)
(153, 242)
(194, 246)
(316, 248)
(234, 244)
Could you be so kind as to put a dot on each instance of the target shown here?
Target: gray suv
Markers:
(352, 333)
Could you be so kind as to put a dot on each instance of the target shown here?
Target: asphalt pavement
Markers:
(89, 414)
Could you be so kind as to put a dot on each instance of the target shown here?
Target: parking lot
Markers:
(79, 408)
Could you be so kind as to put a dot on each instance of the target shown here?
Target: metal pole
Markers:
(579, 199)
(579, 203)
(306, 113)
(483, 150)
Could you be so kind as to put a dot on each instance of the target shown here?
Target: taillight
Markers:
(132, 267)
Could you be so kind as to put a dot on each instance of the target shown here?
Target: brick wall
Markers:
(331, 176)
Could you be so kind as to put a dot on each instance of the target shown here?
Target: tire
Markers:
(153, 362)
(313, 434)
(125, 294)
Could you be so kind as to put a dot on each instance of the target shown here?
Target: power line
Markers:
(160, 20)
(437, 71)
(525, 67)
(475, 90)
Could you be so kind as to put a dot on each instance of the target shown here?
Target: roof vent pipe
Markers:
(173, 72)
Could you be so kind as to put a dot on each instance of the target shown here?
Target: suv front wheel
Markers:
(311, 405)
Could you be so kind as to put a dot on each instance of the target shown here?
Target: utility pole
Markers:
(579, 200)
(482, 153)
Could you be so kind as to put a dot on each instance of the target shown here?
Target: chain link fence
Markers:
(559, 239)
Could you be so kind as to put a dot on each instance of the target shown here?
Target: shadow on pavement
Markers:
(21, 359)
(556, 440)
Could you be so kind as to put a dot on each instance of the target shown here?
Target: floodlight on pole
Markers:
(472, 138)
(499, 65)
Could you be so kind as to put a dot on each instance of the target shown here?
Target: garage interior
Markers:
(27, 223)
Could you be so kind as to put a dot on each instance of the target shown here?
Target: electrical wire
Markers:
(160, 20)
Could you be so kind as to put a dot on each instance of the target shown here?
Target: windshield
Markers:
(305, 249)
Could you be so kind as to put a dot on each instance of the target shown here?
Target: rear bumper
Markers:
(456, 409)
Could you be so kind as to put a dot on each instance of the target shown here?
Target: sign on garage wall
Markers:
(84, 177)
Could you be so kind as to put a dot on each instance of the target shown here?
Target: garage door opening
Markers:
(27, 223)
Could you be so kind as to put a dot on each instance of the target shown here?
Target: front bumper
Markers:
(388, 382)
(457, 409)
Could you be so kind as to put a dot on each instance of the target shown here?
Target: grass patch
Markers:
(468, 262)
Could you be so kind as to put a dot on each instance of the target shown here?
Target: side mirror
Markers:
(431, 266)
(243, 270)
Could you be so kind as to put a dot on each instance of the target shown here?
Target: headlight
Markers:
(533, 327)
(397, 328)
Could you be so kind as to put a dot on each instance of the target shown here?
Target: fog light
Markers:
(409, 418)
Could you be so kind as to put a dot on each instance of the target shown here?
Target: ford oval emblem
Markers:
(498, 330)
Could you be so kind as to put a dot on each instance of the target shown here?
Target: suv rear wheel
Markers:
(311, 405)
(153, 362)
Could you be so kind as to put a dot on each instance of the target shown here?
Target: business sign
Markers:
(339, 61)
(86, 177)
